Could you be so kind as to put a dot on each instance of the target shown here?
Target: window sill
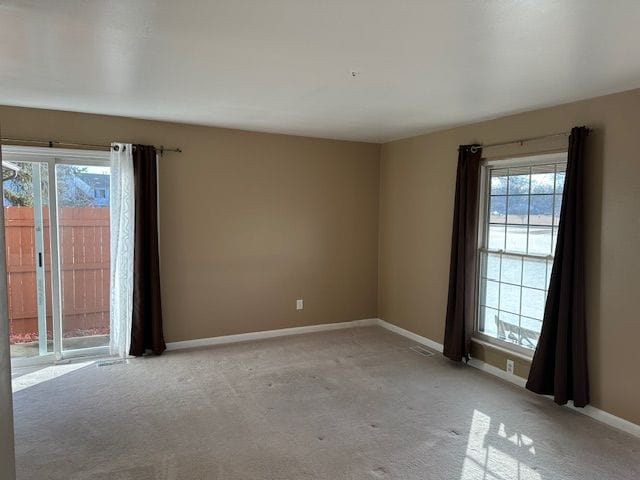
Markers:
(503, 347)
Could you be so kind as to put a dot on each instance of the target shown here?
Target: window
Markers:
(520, 211)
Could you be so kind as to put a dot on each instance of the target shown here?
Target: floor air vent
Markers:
(422, 350)
(108, 363)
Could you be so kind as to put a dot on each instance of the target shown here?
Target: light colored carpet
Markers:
(349, 404)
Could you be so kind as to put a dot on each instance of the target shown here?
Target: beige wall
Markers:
(249, 222)
(417, 178)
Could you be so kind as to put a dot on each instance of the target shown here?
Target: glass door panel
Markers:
(82, 198)
(26, 212)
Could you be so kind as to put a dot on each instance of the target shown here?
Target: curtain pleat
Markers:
(146, 328)
(464, 247)
(122, 213)
(559, 365)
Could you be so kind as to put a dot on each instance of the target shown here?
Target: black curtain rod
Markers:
(474, 148)
(54, 143)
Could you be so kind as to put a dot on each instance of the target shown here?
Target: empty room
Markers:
(298, 239)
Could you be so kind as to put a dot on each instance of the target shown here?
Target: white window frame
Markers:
(486, 166)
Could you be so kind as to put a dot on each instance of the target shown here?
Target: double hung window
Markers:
(520, 211)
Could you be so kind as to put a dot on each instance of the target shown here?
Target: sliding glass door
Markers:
(58, 245)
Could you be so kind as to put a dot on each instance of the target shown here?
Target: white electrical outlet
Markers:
(299, 304)
(510, 366)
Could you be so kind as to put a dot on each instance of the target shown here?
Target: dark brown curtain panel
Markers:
(146, 327)
(559, 366)
(464, 245)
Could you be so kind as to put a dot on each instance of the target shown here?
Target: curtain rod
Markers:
(474, 148)
(52, 143)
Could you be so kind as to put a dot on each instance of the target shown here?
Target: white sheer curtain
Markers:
(122, 243)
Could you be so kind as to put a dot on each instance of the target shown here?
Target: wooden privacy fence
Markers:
(84, 257)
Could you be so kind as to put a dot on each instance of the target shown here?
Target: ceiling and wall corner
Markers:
(286, 66)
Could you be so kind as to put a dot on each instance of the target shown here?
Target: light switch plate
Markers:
(299, 304)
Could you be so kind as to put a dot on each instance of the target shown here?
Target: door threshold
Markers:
(68, 356)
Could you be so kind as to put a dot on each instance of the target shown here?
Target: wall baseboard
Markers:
(608, 418)
(282, 332)
(427, 342)
(589, 411)
(498, 372)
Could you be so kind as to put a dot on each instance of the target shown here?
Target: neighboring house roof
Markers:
(95, 180)
(89, 183)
